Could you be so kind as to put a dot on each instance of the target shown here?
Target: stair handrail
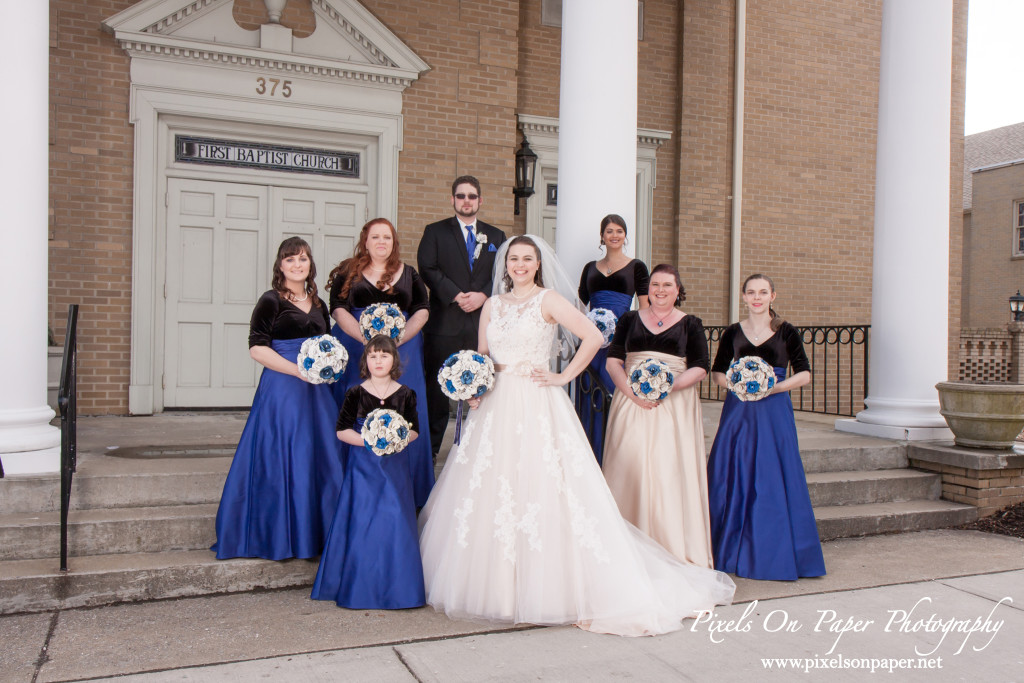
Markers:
(67, 402)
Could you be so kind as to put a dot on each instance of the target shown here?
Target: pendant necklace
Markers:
(661, 321)
(380, 394)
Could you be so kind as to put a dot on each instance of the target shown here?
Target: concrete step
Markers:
(844, 521)
(39, 585)
(110, 531)
(879, 486)
(853, 458)
(107, 482)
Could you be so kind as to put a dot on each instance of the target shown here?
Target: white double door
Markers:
(222, 240)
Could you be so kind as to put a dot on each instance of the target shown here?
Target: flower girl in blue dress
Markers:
(372, 557)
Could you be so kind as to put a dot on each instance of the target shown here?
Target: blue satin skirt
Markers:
(372, 558)
(282, 488)
(762, 523)
(421, 457)
(618, 303)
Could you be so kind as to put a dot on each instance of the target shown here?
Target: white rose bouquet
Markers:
(651, 379)
(386, 319)
(750, 378)
(322, 359)
(605, 321)
(385, 432)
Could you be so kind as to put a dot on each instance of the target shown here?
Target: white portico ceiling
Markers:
(349, 43)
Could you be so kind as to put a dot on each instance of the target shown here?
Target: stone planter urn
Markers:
(983, 414)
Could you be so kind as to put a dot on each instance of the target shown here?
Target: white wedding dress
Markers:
(521, 526)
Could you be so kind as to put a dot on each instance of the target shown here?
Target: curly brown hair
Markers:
(386, 344)
(350, 269)
(538, 277)
(291, 247)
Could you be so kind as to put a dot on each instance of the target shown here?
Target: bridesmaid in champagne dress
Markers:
(654, 454)
(374, 275)
(762, 523)
(282, 488)
(521, 526)
(610, 283)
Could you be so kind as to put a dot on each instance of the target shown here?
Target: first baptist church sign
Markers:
(215, 152)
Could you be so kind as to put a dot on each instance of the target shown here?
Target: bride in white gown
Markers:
(521, 526)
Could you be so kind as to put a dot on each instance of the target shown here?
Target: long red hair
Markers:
(350, 269)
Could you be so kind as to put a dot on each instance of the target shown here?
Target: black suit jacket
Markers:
(444, 266)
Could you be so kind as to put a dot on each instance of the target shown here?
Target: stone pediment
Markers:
(348, 43)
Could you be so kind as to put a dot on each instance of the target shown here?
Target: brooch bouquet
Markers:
(322, 359)
(750, 378)
(386, 319)
(605, 321)
(385, 432)
(465, 375)
(651, 379)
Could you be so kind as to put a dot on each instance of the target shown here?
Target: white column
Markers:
(27, 441)
(597, 126)
(910, 281)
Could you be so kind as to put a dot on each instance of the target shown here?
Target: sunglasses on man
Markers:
(467, 196)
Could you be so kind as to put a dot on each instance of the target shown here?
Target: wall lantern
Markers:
(526, 164)
(1017, 307)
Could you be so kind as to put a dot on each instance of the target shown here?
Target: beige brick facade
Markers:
(811, 109)
(996, 268)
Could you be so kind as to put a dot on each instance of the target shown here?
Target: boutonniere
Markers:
(481, 240)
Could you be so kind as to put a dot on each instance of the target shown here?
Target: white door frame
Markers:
(542, 132)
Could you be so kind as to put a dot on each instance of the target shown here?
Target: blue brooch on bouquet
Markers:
(605, 321)
(322, 359)
(651, 379)
(465, 375)
(385, 432)
(750, 378)
(386, 319)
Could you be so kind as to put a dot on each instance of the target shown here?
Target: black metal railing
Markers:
(839, 357)
(67, 402)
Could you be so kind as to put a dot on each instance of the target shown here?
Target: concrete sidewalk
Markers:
(285, 636)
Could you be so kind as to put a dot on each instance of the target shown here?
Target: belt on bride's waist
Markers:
(522, 368)
(674, 363)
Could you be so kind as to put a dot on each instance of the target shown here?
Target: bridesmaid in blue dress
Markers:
(762, 523)
(609, 283)
(372, 557)
(375, 274)
(282, 488)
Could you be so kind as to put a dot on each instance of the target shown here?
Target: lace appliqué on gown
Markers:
(521, 526)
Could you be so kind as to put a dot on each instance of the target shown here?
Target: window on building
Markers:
(1018, 228)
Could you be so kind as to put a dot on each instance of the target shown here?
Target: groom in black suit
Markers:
(456, 260)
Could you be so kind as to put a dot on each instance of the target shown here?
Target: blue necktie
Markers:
(470, 244)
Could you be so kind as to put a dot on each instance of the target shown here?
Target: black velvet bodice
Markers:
(275, 318)
(632, 279)
(359, 403)
(409, 293)
(684, 339)
(780, 350)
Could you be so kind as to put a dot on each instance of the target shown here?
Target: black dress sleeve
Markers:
(324, 314)
(641, 278)
(696, 344)
(261, 325)
(349, 409)
(795, 348)
(617, 348)
(584, 290)
(408, 408)
(420, 299)
(724, 355)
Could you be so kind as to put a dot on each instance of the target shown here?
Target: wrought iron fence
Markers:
(839, 357)
(67, 402)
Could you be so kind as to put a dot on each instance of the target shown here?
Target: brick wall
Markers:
(91, 198)
(995, 272)
(811, 91)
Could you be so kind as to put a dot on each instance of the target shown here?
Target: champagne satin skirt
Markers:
(655, 466)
